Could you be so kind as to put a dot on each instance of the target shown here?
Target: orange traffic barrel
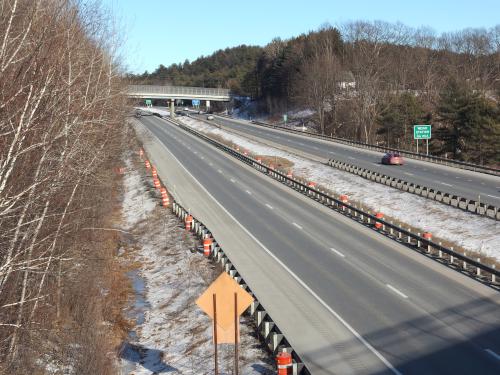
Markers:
(259, 160)
(156, 183)
(289, 174)
(427, 236)
(189, 222)
(378, 224)
(163, 191)
(311, 184)
(284, 363)
(344, 198)
(207, 244)
(245, 152)
(148, 164)
(165, 200)
(154, 172)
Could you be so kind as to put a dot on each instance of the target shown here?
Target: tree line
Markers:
(62, 111)
(371, 81)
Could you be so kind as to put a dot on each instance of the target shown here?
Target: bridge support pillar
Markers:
(172, 108)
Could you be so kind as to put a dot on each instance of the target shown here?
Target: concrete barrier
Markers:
(423, 191)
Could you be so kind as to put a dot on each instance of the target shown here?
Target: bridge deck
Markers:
(178, 92)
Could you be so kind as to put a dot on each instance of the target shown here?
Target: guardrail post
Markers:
(493, 276)
(465, 263)
(478, 271)
(409, 238)
(418, 240)
(441, 254)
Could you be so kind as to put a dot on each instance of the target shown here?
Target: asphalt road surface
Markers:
(417, 316)
(467, 184)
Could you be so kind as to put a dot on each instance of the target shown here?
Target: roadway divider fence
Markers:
(465, 204)
(267, 330)
(459, 261)
(413, 155)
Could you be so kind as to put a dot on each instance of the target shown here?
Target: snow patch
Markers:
(471, 232)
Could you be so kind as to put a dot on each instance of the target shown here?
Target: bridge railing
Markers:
(177, 90)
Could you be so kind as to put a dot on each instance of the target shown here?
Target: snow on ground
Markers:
(300, 114)
(159, 110)
(471, 232)
(172, 334)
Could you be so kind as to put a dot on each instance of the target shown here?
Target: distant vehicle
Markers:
(200, 112)
(186, 108)
(392, 158)
(210, 117)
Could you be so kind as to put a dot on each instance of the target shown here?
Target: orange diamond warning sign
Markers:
(224, 288)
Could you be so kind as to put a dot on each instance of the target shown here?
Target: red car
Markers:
(392, 158)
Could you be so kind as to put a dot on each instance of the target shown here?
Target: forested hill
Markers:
(371, 82)
(224, 68)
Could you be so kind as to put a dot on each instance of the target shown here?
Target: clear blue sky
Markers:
(165, 31)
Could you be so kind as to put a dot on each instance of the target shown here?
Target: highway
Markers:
(403, 313)
(456, 181)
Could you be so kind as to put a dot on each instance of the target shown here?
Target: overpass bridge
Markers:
(178, 92)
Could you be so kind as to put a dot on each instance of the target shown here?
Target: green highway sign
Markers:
(422, 131)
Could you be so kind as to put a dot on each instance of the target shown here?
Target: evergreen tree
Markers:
(471, 124)
(398, 115)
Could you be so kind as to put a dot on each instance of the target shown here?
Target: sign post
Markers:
(224, 301)
(422, 132)
(285, 118)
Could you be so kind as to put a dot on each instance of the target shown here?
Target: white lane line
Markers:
(396, 291)
(377, 164)
(337, 252)
(493, 196)
(196, 152)
(202, 157)
(233, 180)
(269, 206)
(248, 192)
(297, 225)
(331, 152)
(409, 174)
(445, 184)
(211, 164)
(289, 140)
(491, 352)
(291, 273)
(218, 170)
(315, 148)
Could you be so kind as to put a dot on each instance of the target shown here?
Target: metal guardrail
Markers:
(178, 90)
(473, 267)
(267, 330)
(465, 204)
(413, 155)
